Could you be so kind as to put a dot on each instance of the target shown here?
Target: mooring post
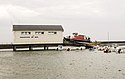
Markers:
(14, 48)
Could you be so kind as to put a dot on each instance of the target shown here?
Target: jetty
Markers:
(15, 47)
(110, 43)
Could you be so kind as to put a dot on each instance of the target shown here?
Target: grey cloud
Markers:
(91, 17)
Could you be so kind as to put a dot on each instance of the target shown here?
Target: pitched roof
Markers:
(37, 27)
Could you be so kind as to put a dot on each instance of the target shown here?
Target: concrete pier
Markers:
(31, 46)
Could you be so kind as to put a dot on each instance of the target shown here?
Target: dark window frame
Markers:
(52, 33)
(39, 33)
(25, 33)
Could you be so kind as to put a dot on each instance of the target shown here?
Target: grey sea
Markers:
(78, 64)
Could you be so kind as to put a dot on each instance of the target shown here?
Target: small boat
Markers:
(107, 50)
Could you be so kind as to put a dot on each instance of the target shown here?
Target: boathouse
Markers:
(38, 34)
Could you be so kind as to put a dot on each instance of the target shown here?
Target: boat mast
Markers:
(108, 38)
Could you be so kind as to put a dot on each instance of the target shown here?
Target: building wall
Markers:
(33, 37)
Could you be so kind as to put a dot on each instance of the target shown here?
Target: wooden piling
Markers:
(14, 48)
(44, 47)
(30, 48)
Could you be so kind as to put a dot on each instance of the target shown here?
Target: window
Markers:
(55, 32)
(29, 32)
(42, 32)
(25, 33)
(22, 33)
(39, 33)
(52, 32)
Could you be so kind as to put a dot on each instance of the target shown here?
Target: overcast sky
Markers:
(94, 18)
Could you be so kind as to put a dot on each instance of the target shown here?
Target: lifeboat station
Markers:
(32, 36)
(38, 34)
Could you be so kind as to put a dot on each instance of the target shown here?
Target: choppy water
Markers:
(78, 64)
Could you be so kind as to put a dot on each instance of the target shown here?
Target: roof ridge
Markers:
(37, 27)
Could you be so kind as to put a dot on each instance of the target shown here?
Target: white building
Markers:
(37, 34)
